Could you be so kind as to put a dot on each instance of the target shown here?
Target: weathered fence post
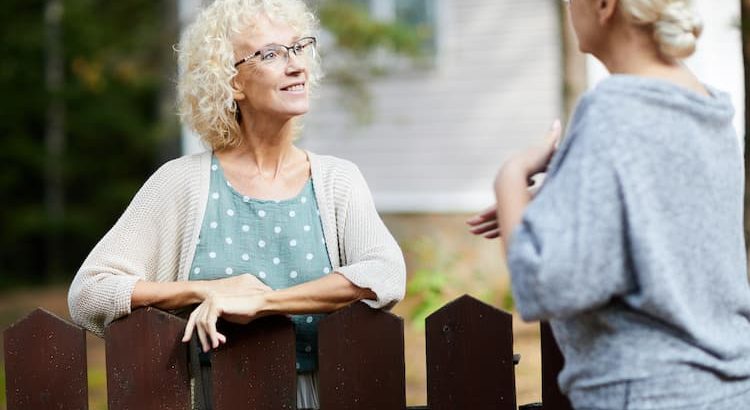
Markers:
(255, 369)
(45, 363)
(552, 364)
(147, 364)
(470, 357)
(361, 353)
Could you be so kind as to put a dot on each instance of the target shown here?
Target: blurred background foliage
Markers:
(112, 56)
(76, 149)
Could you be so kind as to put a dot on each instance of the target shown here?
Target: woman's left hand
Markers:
(535, 159)
(233, 308)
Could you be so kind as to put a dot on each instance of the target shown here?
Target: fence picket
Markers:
(552, 364)
(255, 369)
(45, 363)
(470, 357)
(147, 364)
(361, 353)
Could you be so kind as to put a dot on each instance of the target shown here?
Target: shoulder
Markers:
(178, 176)
(330, 163)
(181, 169)
(333, 169)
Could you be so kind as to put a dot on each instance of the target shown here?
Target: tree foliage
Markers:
(111, 59)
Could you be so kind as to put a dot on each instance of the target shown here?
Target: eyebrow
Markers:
(294, 40)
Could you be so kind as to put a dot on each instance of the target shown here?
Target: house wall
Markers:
(439, 134)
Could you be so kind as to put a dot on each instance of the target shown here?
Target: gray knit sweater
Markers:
(634, 249)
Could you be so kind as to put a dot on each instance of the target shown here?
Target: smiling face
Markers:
(277, 91)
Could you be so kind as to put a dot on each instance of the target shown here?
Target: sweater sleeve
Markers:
(132, 250)
(568, 254)
(373, 259)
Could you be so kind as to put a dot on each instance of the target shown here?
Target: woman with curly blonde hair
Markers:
(633, 248)
(254, 226)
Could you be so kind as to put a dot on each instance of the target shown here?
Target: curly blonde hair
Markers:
(205, 95)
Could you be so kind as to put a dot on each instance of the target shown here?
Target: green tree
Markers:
(107, 87)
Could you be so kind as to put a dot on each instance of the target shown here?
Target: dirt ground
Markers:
(15, 305)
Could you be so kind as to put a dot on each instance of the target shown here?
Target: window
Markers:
(419, 15)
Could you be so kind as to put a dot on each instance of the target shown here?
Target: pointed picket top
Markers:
(45, 363)
(147, 364)
(361, 355)
(471, 342)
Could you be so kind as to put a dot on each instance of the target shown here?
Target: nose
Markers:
(295, 64)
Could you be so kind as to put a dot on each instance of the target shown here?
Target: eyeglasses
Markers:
(278, 54)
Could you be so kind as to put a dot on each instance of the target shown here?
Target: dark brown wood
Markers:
(361, 353)
(470, 357)
(45, 363)
(147, 364)
(256, 368)
(552, 364)
(745, 25)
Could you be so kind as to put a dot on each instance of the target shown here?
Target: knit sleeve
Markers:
(135, 248)
(372, 257)
(568, 255)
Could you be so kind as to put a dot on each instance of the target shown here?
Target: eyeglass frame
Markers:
(289, 49)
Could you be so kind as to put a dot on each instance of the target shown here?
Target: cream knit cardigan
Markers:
(156, 236)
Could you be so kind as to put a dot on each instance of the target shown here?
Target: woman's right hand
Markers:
(245, 284)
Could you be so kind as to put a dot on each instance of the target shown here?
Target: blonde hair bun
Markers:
(676, 28)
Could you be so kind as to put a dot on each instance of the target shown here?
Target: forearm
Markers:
(512, 198)
(166, 295)
(323, 295)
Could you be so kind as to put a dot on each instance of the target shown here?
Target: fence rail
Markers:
(470, 362)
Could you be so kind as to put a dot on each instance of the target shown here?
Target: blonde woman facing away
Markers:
(254, 226)
(633, 248)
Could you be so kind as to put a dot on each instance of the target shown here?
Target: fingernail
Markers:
(556, 125)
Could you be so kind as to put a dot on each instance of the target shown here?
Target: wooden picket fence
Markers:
(470, 362)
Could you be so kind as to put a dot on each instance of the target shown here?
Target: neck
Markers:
(631, 50)
(266, 145)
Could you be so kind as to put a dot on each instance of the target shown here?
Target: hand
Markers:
(536, 158)
(485, 223)
(234, 308)
(244, 284)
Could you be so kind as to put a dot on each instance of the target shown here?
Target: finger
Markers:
(213, 333)
(221, 337)
(492, 234)
(489, 226)
(189, 327)
(486, 214)
(553, 137)
(203, 338)
(201, 327)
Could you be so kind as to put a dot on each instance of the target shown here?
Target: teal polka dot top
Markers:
(280, 242)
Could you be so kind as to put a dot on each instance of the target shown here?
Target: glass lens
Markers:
(272, 54)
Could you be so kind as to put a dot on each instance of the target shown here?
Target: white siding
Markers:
(440, 134)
